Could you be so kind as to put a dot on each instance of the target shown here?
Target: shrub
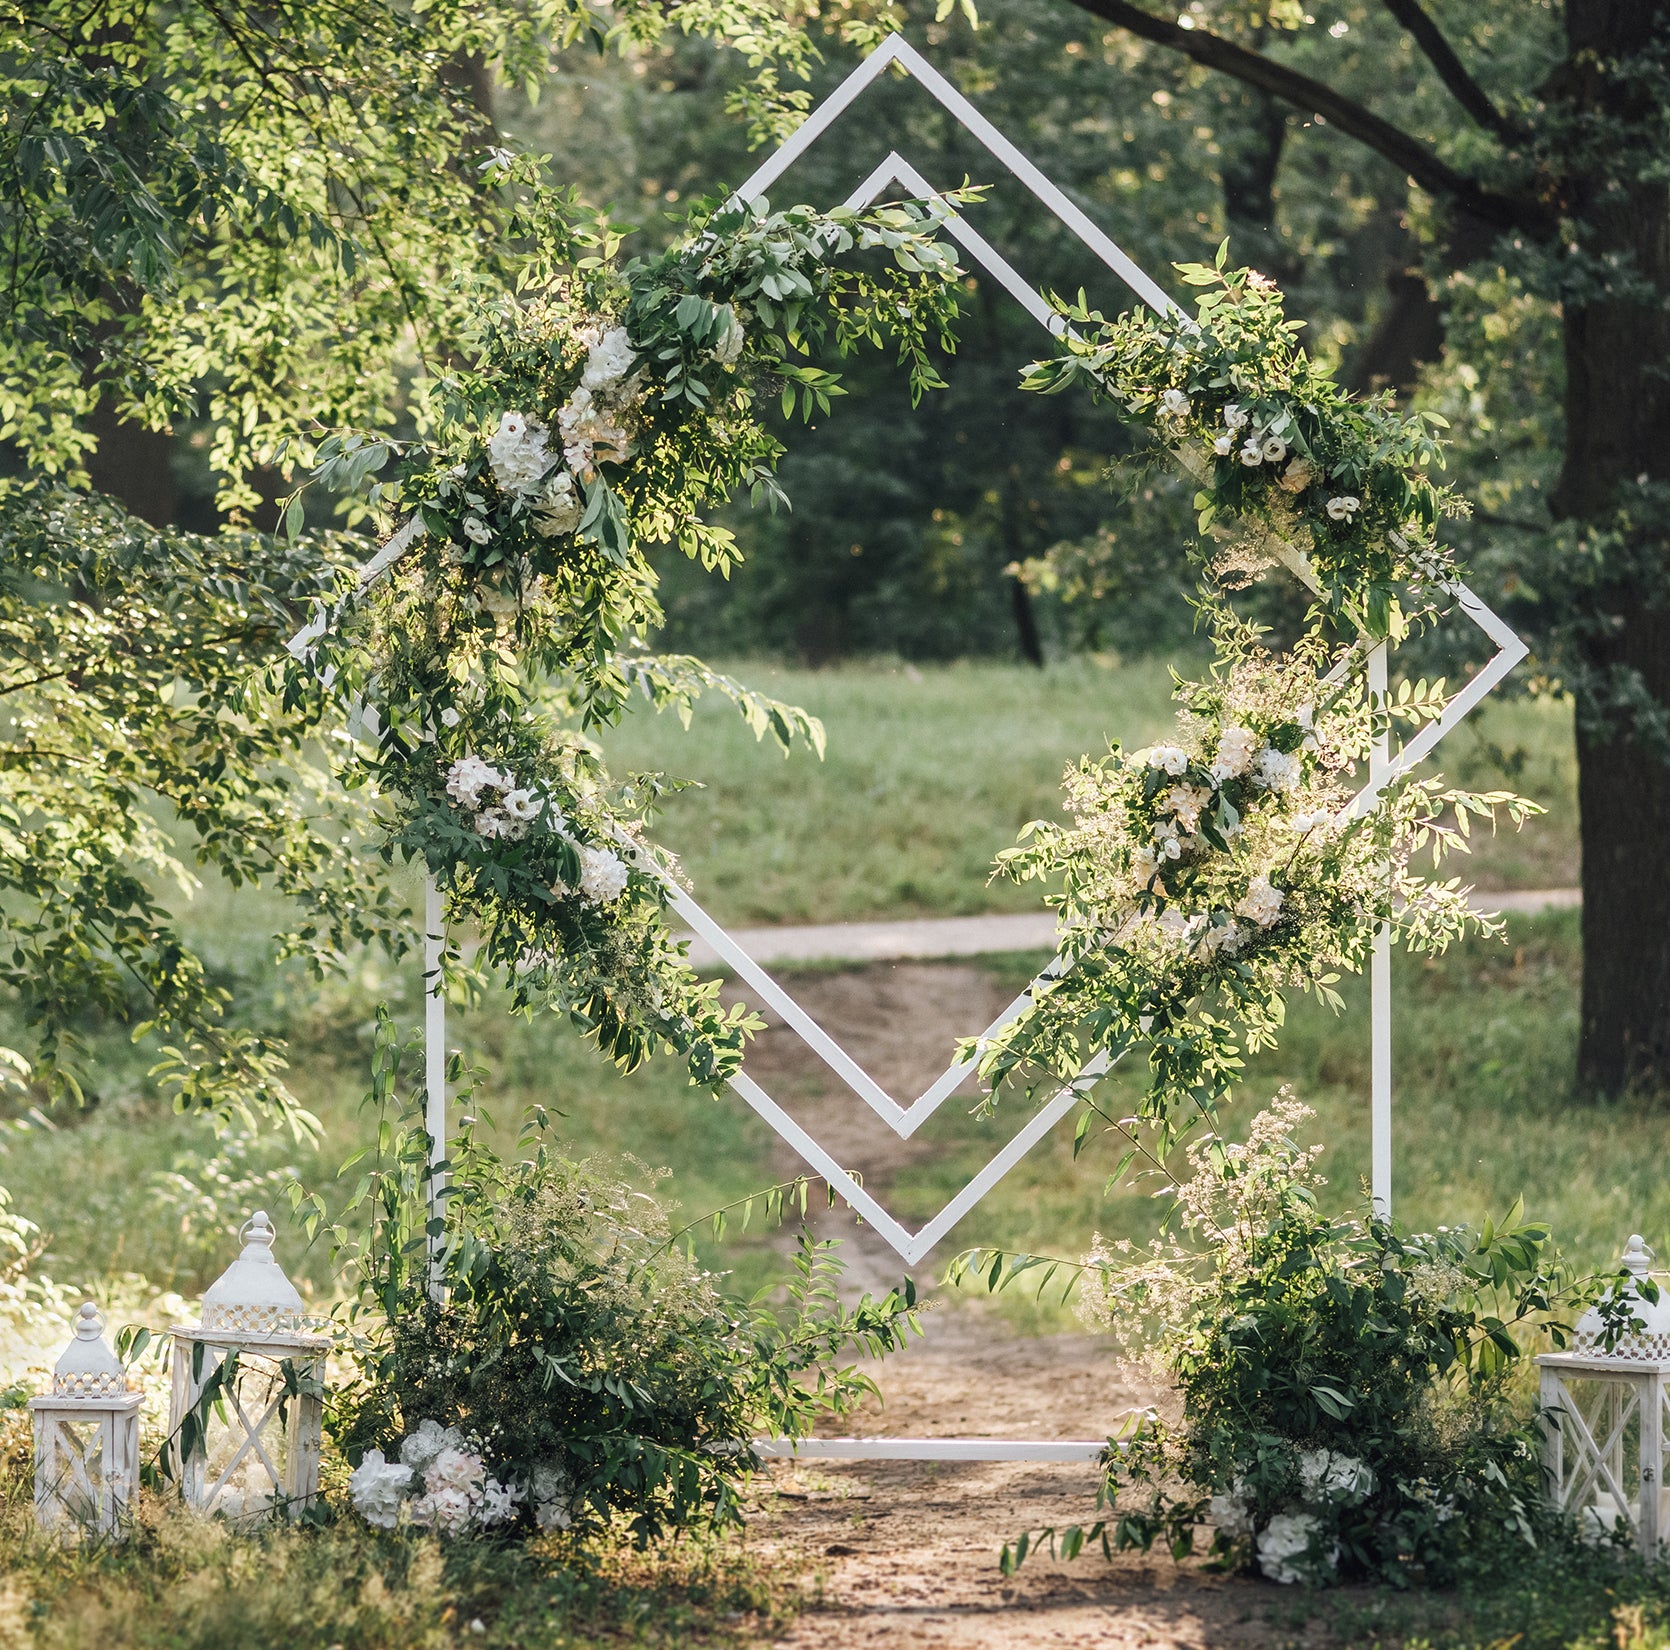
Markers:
(597, 1370)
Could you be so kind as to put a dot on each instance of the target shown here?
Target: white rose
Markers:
(377, 1487)
(1285, 1549)
(468, 777)
(1172, 758)
(454, 1469)
(1185, 803)
(450, 718)
(1176, 403)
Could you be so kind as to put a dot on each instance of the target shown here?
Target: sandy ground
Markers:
(906, 1553)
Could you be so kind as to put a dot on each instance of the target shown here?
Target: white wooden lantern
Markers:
(245, 1417)
(87, 1438)
(1604, 1417)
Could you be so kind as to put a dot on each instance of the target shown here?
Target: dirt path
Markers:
(905, 1554)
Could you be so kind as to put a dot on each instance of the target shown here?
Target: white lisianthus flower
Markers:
(1326, 1476)
(1172, 758)
(521, 804)
(1236, 746)
(1277, 770)
(1224, 445)
(469, 776)
(1252, 454)
(422, 1446)
(1234, 417)
(1285, 1549)
(378, 1488)
(1175, 403)
(602, 875)
(1262, 904)
(517, 453)
(1230, 1514)
(559, 509)
(1274, 449)
(1344, 507)
(476, 530)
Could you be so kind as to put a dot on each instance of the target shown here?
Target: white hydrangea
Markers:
(1278, 770)
(1172, 758)
(1175, 403)
(378, 1489)
(1284, 1549)
(1236, 748)
(602, 875)
(553, 1498)
(469, 776)
(560, 508)
(430, 1439)
(1262, 904)
(1326, 1476)
(1184, 803)
(448, 1511)
(1230, 1512)
(517, 452)
(608, 361)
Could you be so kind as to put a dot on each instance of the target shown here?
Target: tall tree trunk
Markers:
(1617, 407)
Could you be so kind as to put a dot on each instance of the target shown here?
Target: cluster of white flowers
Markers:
(1237, 747)
(1288, 1549)
(1326, 1475)
(517, 453)
(1344, 507)
(553, 1498)
(602, 875)
(593, 421)
(1294, 1546)
(1256, 446)
(1278, 770)
(1173, 758)
(1175, 403)
(440, 1482)
(559, 508)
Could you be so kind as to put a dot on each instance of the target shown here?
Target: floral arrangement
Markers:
(606, 407)
(440, 1482)
(1346, 1385)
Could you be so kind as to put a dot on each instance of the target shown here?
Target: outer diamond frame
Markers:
(904, 1120)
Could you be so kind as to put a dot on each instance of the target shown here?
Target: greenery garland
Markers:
(607, 405)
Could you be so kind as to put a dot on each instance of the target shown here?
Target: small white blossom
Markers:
(1222, 936)
(1262, 904)
(521, 804)
(1172, 758)
(498, 1502)
(553, 1498)
(602, 875)
(1144, 866)
(1175, 403)
(608, 360)
(1284, 1549)
(1344, 507)
(476, 530)
(378, 1487)
(559, 509)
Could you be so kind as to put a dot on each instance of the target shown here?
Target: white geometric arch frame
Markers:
(906, 1119)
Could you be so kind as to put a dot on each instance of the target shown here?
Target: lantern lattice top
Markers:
(88, 1367)
(253, 1296)
(1650, 1343)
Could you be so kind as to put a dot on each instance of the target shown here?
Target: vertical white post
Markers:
(1380, 989)
(434, 1063)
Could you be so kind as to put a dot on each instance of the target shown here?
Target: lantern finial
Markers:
(253, 1296)
(88, 1368)
(1637, 1257)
